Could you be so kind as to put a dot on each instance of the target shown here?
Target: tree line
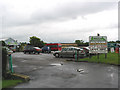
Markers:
(37, 42)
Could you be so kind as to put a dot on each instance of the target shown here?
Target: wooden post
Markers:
(98, 55)
(89, 55)
(105, 55)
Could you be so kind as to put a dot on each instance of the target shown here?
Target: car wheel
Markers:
(56, 55)
(38, 52)
(24, 52)
(61, 56)
(42, 51)
(34, 52)
(29, 52)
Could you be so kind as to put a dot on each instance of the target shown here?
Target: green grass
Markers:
(9, 83)
(112, 58)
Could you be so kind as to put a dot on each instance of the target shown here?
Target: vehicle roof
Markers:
(53, 44)
(36, 47)
(86, 48)
(73, 47)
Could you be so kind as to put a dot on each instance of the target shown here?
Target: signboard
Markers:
(112, 50)
(98, 44)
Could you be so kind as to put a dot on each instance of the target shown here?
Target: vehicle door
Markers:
(63, 52)
(82, 53)
(70, 52)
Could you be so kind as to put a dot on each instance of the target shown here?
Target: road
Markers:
(46, 71)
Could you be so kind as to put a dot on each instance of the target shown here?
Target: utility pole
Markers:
(98, 53)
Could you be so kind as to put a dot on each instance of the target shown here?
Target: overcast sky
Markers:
(58, 20)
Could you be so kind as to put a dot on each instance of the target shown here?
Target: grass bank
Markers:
(112, 58)
(10, 83)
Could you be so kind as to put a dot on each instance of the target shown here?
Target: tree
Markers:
(118, 41)
(111, 42)
(79, 42)
(22, 45)
(35, 41)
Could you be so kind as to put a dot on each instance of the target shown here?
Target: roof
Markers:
(3, 39)
(9, 41)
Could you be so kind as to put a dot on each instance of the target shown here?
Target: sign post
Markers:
(98, 44)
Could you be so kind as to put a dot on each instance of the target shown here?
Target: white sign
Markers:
(112, 50)
(98, 44)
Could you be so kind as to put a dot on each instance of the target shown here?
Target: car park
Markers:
(70, 52)
(30, 49)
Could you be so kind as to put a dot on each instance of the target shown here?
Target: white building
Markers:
(11, 43)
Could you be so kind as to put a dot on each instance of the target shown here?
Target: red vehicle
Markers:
(30, 49)
(55, 46)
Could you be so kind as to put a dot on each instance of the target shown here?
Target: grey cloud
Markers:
(59, 13)
(71, 11)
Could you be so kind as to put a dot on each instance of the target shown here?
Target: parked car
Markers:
(46, 49)
(86, 49)
(30, 49)
(69, 52)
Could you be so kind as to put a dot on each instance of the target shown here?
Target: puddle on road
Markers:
(23, 61)
(64, 75)
(56, 64)
(81, 71)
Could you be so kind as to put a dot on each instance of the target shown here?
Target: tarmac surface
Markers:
(46, 71)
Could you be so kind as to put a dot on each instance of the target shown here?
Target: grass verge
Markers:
(112, 58)
(10, 83)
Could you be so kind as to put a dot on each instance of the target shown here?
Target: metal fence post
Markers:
(10, 63)
(75, 55)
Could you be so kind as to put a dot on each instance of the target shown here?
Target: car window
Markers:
(75, 48)
(64, 49)
(71, 49)
(36, 47)
(59, 46)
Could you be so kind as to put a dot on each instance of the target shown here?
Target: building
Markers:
(68, 44)
(11, 43)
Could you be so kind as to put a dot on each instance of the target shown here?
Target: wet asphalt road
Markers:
(46, 71)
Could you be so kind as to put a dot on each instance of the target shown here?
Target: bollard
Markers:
(10, 63)
(89, 56)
